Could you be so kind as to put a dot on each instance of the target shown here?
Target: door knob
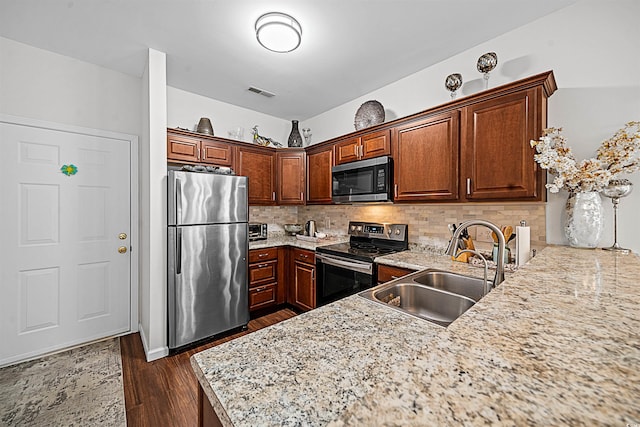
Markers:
(122, 236)
(122, 249)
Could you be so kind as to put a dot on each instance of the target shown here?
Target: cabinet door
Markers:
(348, 150)
(425, 154)
(291, 173)
(497, 158)
(217, 153)
(304, 285)
(319, 183)
(259, 166)
(387, 273)
(183, 149)
(376, 144)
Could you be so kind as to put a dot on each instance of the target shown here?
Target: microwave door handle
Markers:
(363, 268)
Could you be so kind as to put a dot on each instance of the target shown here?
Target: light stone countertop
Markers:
(280, 239)
(557, 343)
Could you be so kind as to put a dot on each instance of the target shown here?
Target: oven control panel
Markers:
(378, 230)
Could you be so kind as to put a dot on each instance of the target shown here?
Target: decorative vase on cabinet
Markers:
(584, 219)
(295, 139)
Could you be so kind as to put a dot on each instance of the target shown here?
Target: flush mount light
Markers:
(278, 32)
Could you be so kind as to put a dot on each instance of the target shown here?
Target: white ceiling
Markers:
(349, 47)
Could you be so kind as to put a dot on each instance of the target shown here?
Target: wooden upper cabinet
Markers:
(182, 148)
(376, 144)
(192, 149)
(425, 154)
(370, 145)
(348, 150)
(217, 153)
(259, 165)
(290, 177)
(497, 158)
(319, 181)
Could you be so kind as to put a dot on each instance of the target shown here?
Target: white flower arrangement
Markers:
(618, 154)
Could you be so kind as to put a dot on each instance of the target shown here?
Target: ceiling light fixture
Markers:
(278, 32)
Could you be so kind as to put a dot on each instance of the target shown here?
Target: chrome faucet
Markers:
(453, 245)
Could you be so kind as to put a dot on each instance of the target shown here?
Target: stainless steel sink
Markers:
(470, 287)
(434, 295)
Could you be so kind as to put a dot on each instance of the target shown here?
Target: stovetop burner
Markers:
(369, 240)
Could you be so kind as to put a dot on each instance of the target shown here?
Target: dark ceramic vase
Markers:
(295, 139)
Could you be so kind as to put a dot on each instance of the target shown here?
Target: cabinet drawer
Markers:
(303, 255)
(259, 255)
(262, 296)
(387, 273)
(263, 272)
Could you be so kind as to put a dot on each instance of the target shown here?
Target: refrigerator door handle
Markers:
(178, 204)
(178, 251)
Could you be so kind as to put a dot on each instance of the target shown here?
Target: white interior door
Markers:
(63, 280)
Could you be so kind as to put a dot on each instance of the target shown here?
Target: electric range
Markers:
(344, 269)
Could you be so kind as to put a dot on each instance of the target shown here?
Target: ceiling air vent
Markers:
(261, 92)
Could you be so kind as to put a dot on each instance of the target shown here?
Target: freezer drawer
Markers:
(207, 281)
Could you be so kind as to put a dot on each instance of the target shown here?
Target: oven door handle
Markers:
(366, 268)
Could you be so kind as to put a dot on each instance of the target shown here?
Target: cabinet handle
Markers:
(262, 255)
(304, 256)
(395, 190)
(262, 265)
(468, 186)
(273, 196)
(198, 153)
(301, 195)
(395, 277)
(259, 289)
(361, 147)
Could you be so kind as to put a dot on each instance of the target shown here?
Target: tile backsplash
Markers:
(427, 222)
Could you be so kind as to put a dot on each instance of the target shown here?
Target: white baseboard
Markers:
(155, 354)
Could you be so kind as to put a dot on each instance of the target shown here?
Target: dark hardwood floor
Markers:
(165, 392)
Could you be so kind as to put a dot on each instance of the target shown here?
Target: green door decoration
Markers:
(69, 169)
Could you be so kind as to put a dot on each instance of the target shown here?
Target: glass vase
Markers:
(295, 139)
(584, 219)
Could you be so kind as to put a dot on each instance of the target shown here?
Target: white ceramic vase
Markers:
(584, 219)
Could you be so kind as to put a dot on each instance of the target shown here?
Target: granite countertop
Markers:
(556, 343)
(280, 239)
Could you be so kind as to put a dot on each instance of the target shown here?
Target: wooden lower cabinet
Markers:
(207, 417)
(267, 277)
(302, 282)
(387, 273)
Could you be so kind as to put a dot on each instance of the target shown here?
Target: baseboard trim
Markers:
(155, 354)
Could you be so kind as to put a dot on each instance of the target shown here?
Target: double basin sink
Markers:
(434, 295)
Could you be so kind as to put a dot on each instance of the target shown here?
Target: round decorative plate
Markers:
(370, 113)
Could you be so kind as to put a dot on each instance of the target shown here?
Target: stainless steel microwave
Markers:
(363, 181)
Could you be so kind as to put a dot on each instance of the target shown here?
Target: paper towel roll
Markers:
(523, 243)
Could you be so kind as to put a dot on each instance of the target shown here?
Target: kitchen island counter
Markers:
(556, 343)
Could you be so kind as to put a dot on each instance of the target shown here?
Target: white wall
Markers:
(184, 110)
(592, 47)
(153, 208)
(43, 85)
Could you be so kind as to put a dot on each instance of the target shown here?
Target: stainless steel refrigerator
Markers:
(207, 255)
